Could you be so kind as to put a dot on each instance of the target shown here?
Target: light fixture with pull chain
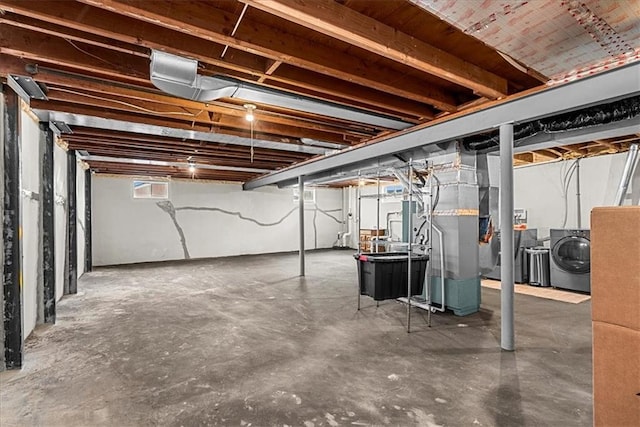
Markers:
(250, 118)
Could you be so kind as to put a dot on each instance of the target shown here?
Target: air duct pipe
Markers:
(179, 76)
(627, 173)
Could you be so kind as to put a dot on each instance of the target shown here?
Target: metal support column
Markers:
(358, 213)
(301, 213)
(72, 243)
(578, 200)
(378, 213)
(410, 245)
(88, 257)
(11, 236)
(48, 226)
(506, 233)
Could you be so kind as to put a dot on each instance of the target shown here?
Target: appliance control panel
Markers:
(578, 233)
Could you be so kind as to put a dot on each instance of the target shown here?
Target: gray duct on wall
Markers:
(179, 76)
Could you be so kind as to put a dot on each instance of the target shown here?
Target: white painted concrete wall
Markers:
(30, 222)
(538, 189)
(128, 230)
(60, 216)
(80, 204)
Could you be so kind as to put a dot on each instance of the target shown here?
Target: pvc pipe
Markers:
(506, 234)
(348, 220)
(627, 173)
(301, 219)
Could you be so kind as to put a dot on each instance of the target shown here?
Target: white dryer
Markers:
(570, 263)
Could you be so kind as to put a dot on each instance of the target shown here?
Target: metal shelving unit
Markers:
(411, 196)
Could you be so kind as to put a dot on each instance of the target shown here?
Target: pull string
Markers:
(251, 141)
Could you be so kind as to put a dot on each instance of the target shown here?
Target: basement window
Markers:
(150, 190)
(309, 195)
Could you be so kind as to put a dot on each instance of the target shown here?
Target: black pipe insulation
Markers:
(592, 116)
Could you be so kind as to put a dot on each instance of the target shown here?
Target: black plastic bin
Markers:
(384, 275)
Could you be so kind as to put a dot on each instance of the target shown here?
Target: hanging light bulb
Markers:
(250, 109)
(249, 117)
(192, 165)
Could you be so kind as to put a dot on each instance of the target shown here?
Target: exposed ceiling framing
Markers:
(388, 57)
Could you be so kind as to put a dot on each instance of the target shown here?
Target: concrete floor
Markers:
(243, 341)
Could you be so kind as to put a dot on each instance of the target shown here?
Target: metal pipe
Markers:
(430, 247)
(301, 219)
(359, 208)
(506, 234)
(378, 213)
(578, 201)
(410, 246)
(627, 173)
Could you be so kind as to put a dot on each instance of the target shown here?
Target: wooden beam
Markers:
(107, 135)
(332, 19)
(69, 17)
(120, 93)
(227, 126)
(117, 97)
(164, 171)
(144, 154)
(103, 62)
(289, 77)
(271, 66)
(348, 94)
(213, 152)
(70, 34)
(205, 21)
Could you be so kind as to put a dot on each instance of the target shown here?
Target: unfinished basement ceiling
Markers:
(561, 39)
(394, 60)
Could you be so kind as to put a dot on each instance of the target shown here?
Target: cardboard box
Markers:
(615, 266)
(616, 376)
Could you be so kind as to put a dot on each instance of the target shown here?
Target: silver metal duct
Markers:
(179, 76)
(106, 159)
(627, 173)
(145, 129)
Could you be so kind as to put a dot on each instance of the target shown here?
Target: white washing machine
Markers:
(570, 261)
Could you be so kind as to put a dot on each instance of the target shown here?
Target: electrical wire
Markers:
(117, 101)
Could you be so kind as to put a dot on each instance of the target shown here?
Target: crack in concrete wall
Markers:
(169, 208)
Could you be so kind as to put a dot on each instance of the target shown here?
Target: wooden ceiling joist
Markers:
(331, 18)
(392, 58)
(209, 23)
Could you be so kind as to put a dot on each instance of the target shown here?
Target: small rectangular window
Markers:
(150, 190)
(309, 195)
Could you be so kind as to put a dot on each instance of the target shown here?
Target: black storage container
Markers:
(384, 275)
